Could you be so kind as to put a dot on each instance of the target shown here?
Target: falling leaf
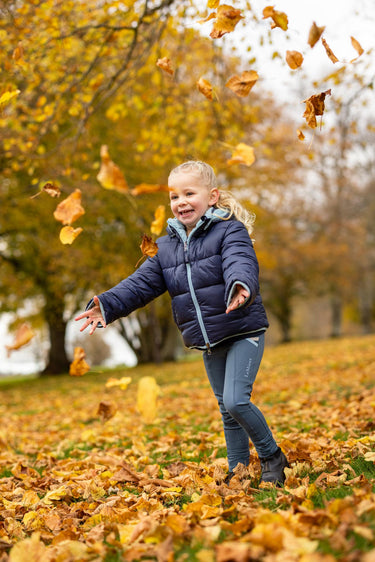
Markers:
(213, 4)
(78, 367)
(50, 188)
(357, 47)
(110, 175)
(106, 410)
(300, 135)
(205, 88)
(314, 107)
(70, 209)
(280, 19)
(68, 234)
(314, 34)
(123, 383)
(147, 394)
(22, 336)
(148, 246)
(294, 59)
(31, 549)
(226, 20)
(329, 51)
(158, 223)
(166, 65)
(241, 85)
(18, 55)
(7, 96)
(242, 154)
(148, 188)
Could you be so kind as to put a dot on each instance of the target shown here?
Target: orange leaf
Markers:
(68, 234)
(78, 367)
(280, 19)
(294, 59)
(18, 54)
(148, 246)
(110, 175)
(357, 47)
(213, 4)
(241, 85)
(22, 336)
(148, 188)
(314, 107)
(158, 223)
(106, 410)
(242, 154)
(205, 88)
(300, 135)
(227, 18)
(166, 65)
(70, 209)
(329, 51)
(314, 34)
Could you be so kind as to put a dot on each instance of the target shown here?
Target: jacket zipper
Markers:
(195, 300)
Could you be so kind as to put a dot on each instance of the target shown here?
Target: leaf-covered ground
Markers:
(76, 487)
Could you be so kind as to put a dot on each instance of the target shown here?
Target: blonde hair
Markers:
(227, 201)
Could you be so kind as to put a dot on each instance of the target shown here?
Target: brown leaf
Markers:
(22, 337)
(166, 65)
(78, 367)
(205, 88)
(300, 135)
(241, 85)
(242, 154)
(314, 34)
(148, 246)
(314, 107)
(110, 175)
(106, 410)
(51, 189)
(329, 51)
(158, 223)
(68, 234)
(226, 20)
(70, 209)
(294, 59)
(148, 188)
(280, 19)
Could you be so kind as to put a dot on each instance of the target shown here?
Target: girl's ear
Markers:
(214, 196)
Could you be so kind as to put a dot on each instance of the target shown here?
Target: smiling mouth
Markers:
(186, 213)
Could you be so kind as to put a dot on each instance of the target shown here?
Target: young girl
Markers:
(208, 265)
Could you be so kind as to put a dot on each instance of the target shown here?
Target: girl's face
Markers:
(190, 198)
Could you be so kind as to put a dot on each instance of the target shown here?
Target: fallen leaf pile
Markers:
(84, 477)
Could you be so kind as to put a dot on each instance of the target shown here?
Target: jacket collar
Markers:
(211, 215)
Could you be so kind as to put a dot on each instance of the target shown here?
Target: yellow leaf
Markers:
(241, 85)
(68, 234)
(32, 550)
(294, 59)
(205, 88)
(79, 366)
(22, 337)
(110, 175)
(123, 383)
(158, 223)
(148, 392)
(280, 19)
(242, 154)
(149, 188)
(4, 98)
(70, 209)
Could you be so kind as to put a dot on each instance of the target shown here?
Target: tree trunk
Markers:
(57, 362)
(336, 310)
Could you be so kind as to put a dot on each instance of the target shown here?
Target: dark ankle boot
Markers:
(273, 468)
(228, 478)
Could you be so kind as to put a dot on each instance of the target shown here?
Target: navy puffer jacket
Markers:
(199, 272)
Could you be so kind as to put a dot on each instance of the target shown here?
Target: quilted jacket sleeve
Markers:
(135, 291)
(240, 264)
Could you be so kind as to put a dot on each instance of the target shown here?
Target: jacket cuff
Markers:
(231, 293)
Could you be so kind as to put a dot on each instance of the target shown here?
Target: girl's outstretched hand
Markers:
(93, 317)
(239, 297)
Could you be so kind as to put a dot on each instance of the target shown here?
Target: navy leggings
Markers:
(231, 370)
